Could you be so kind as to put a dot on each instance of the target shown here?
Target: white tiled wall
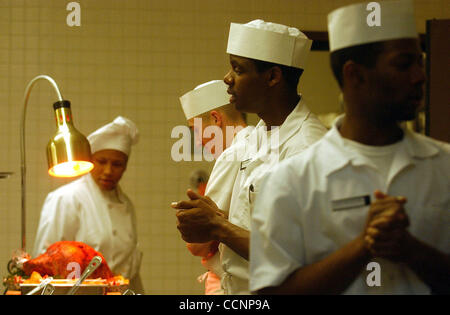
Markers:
(132, 58)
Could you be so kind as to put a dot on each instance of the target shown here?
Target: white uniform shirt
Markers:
(225, 170)
(296, 221)
(263, 150)
(80, 211)
(221, 181)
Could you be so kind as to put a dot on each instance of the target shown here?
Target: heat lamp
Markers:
(68, 151)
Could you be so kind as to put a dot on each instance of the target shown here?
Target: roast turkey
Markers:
(55, 261)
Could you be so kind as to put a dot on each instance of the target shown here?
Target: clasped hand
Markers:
(198, 219)
(385, 231)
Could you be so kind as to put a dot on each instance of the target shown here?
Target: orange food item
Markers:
(55, 260)
(34, 278)
(118, 280)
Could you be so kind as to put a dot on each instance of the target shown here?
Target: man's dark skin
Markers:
(268, 95)
(377, 100)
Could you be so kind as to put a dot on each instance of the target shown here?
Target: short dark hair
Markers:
(291, 75)
(366, 55)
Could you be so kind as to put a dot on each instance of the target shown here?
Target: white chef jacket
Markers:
(81, 211)
(262, 152)
(221, 181)
(296, 221)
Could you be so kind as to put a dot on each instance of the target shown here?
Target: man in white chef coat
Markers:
(94, 210)
(209, 113)
(267, 60)
(208, 106)
(366, 209)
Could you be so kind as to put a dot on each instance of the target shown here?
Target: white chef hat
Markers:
(349, 26)
(270, 42)
(118, 135)
(205, 97)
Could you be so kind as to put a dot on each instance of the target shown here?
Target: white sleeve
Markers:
(59, 221)
(221, 181)
(276, 239)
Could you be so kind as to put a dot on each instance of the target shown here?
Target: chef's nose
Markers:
(228, 79)
(418, 75)
(107, 169)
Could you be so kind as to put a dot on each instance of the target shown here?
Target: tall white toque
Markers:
(270, 42)
(369, 22)
(205, 97)
(118, 135)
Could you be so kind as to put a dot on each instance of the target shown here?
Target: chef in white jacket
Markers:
(267, 61)
(94, 210)
(208, 106)
(366, 209)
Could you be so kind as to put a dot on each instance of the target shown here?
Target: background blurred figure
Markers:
(266, 63)
(94, 210)
(209, 102)
(198, 181)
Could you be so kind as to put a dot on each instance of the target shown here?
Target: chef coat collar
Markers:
(338, 157)
(290, 126)
(93, 185)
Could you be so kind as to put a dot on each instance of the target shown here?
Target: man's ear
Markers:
(274, 76)
(216, 118)
(354, 74)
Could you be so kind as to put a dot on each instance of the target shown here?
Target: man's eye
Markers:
(403, 66)
(405, 62)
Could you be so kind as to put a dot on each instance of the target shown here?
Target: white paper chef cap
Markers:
(205, 97)
(270, 42)
(349, 26)
(118, 135)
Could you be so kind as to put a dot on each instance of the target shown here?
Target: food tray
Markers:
(88, 287)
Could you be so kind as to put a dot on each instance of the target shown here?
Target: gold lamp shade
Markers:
(68, 152)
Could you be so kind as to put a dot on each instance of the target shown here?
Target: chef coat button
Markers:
(252, 188)
(114, 232)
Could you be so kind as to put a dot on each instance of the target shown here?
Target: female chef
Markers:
(94, 210)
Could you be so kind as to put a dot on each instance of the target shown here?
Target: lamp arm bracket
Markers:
(22, 140)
